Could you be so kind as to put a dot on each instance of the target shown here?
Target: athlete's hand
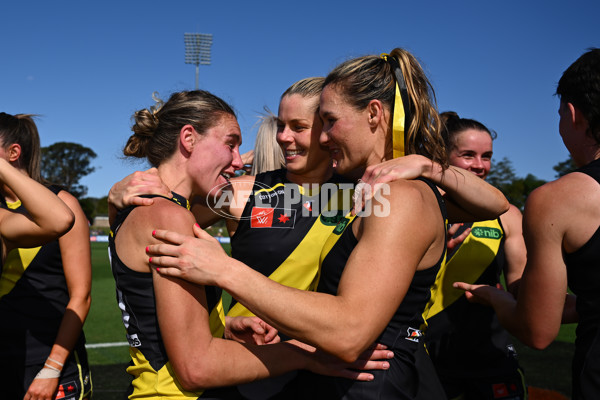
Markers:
(42, 389)
(373, 358)
(247, 160)
(250, 330)
(407, 167)
(451, 241)
(197, 259)
(127, 191)
(484, 294)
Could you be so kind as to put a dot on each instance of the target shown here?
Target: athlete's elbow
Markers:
(60, 224)
(538, 339)
(350, 348)
(540, 342)
(194, 378)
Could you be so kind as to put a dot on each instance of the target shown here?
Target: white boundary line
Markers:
(101, 345)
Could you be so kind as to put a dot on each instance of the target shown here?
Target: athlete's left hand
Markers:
(247, 160)
(374, 358)
(451, 241)
(42, 389)
(197, 259)
(408, 167)
(250, 330)
(484, 294)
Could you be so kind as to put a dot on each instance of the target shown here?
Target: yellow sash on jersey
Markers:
(148, 383)
(16, 262)
(300, 269)
(335, 235)
(467, 264)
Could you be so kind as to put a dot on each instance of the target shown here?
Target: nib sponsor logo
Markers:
(486, 233)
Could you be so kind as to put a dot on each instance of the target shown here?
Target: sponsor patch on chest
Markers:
(265, 217)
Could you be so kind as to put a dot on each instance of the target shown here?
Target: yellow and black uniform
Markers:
(282, 229)
(33, 299)
(402, 335)
(471, 351)
(152, 373)
(584, 280)
(281, 234)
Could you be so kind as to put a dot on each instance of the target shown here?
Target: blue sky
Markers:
(85, 67)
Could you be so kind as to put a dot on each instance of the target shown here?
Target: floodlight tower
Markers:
(197, 50)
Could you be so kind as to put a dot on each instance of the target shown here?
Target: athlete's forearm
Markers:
(45, 209)
(469, 192)
(311, 317)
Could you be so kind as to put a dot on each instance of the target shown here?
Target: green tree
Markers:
(88, 206)
(102, 206)
(515, 189)
(93, 206)
(502, 174)
(65, 163)
(565, 167)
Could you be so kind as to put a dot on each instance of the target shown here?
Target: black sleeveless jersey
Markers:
(150, 367)
(33, 299)
(283, 228)
(583, 273)
(402, 335)
(465, 339)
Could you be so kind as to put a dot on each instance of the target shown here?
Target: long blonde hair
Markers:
(267, 153)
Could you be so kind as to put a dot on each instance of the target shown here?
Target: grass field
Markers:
(549, 368)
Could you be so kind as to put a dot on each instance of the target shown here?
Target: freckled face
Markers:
(473, 152)
(298, 131)
(216, 156)
(344, 130)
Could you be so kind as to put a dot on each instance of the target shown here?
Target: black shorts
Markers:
(507, 387)
(75, 380)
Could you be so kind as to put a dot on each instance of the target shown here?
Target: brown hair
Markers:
(452, 125)
(21, 129)
(156, 130)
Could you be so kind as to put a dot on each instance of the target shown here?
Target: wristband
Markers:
(56, 362)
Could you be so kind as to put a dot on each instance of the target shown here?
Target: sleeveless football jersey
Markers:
(583, 272)
(152, 373)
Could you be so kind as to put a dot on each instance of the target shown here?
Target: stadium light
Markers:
(197, 50)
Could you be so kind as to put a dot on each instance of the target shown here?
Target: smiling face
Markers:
(216, 156)
(346, 133)
(298, 131)
(472, 150)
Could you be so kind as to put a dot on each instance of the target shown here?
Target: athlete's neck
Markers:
(319, 177)
(178, 182)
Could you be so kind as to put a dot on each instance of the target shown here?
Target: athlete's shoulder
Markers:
(164, 213)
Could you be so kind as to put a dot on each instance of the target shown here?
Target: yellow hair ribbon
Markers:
(399, 117)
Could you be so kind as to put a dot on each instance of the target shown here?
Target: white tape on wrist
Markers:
(48, 373)
(56, 362)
